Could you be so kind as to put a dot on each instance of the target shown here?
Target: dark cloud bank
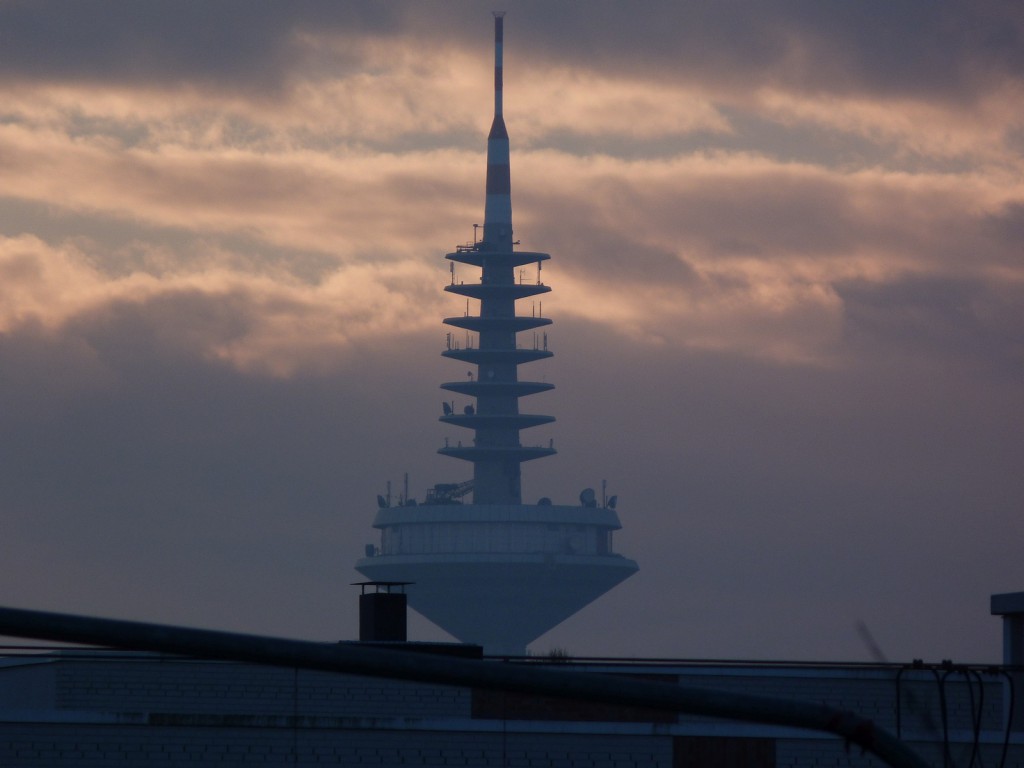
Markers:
(948, 51)
(771, 507)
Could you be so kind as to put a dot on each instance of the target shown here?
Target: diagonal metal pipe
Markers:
(354, 659)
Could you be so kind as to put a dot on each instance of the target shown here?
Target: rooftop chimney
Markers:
(382, 614)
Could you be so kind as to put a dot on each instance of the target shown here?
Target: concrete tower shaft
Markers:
(496, 451)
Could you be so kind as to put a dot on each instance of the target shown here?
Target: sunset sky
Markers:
(788, 303)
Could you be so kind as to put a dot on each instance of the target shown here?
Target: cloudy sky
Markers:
(788, 293)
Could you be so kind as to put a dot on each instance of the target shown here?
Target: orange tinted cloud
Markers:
(371, 157)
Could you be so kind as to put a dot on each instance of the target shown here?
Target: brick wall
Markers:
(171, 685)
(100, 709)
(108, 745)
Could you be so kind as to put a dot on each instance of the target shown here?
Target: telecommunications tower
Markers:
(496, 571)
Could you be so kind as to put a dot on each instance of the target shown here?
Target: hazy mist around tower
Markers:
(787, 289)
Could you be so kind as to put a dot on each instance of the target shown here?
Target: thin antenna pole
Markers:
(499, 40)
(498, 208)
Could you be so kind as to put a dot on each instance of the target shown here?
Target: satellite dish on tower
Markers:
(447, 409)
(588, 498)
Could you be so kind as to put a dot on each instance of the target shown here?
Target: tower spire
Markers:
(498, 210)
(499, 34)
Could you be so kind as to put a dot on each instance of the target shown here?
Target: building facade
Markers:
(105, 708)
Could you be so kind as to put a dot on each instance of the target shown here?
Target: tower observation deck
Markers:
(496, 572)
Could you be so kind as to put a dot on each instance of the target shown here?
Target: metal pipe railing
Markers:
(354, 659)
